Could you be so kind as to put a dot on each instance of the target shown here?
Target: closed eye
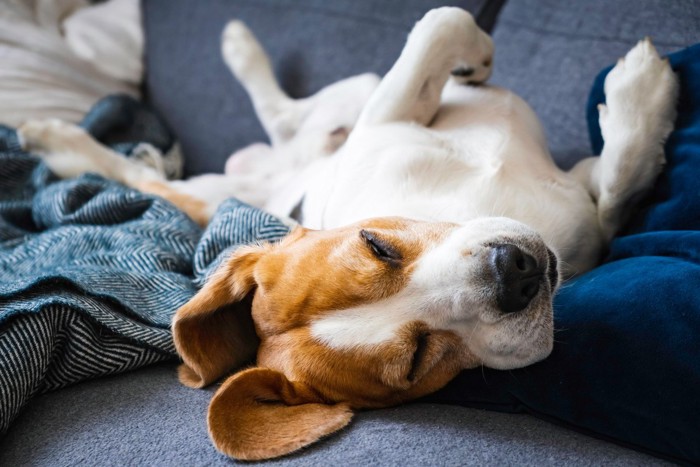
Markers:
(382, 249)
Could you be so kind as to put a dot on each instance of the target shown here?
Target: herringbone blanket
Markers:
(91, 272)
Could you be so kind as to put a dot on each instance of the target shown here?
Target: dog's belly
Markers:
(483, 157)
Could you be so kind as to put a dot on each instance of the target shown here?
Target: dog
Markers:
(436, 230)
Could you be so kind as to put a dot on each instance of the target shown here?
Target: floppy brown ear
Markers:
(214, 332)
(259, 414)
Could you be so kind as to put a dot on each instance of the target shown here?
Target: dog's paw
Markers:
(42, 136)
(641, 93)
(452, 32)
(240, 49)
(641, 90)
(64, 147)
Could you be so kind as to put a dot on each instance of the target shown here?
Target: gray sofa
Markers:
(546, 50)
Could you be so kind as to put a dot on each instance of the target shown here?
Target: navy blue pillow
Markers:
(626, 360)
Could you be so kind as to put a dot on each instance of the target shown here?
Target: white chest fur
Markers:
(483, 155)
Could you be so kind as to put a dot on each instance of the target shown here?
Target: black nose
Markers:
(518, 277)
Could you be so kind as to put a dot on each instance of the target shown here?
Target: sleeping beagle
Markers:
(441, 228)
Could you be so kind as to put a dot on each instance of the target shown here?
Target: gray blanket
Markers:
(91, 272)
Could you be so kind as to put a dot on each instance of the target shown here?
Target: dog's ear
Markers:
(214, 331)
(259, 414)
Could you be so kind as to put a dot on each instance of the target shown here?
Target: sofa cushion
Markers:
(626, 359)
(148, 418)
(312, 44)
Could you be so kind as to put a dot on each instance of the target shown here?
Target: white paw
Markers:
(641, 93)
(42, 136)
(452, 32)
(67, 149)
(240, 48)
(641, 90)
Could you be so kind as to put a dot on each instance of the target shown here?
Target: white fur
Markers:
(447, 290)
(425, 148)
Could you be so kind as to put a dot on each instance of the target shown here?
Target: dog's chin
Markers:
(512, 363)
(516, 340)
(513, 334)
(508, 355)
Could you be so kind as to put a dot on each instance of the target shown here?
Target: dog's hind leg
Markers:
(279, 114)
(69, 151)
(641, 93)
(446, 41)
(323, 120)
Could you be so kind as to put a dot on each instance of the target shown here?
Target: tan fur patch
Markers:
(419, 361)
(258, 414)
(313, 272)
(302, 389)
(195, 208)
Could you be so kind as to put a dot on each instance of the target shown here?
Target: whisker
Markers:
(472, 333)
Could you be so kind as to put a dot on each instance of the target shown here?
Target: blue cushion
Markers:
(626, 359)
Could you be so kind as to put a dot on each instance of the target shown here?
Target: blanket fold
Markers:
(91, 272)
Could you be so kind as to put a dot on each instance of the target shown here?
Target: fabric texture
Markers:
(91, 272)
(312, 43)
(148, 418)
(626, 359)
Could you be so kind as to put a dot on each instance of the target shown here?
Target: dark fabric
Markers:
(626, 360)
(122, 123)
(91, 272)
(549, 51)
(312, 43)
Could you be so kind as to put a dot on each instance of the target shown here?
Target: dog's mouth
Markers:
(552, 270)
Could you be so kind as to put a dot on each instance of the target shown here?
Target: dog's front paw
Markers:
(641, 91)
(453, 33)
(475, 64)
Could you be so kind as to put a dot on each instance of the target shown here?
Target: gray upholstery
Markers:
(549, 52)
(312, 43)
(148, 418)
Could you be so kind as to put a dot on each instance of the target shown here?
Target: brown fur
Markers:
(302, 389)
(195, 208)
(258, 414)
(210, 330)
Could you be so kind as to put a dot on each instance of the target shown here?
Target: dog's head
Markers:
(368, 315)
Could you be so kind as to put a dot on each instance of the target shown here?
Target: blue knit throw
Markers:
(91, 272)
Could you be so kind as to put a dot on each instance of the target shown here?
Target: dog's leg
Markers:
(447, 41)
(279, 114)
(641, 93)
(70, 151)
